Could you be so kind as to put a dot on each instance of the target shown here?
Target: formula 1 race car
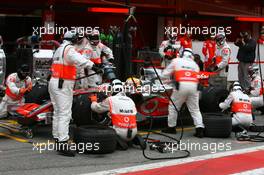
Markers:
(151, 102)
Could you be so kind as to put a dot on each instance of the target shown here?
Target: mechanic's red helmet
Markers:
(94, 37)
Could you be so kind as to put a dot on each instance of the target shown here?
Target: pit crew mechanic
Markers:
(169, 49)
(64, 67)
(209, 48)
(17, 84)
(122, 111)
(98, 53)
(256, 92)
(222, 54)
(241, 106)
(185, 73)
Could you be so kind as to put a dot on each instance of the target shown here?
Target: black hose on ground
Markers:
(131, 16)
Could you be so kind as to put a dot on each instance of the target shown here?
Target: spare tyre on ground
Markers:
(211, 97)
(97, 139)
(217, 125)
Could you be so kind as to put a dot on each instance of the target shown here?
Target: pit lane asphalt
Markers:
(19, 158)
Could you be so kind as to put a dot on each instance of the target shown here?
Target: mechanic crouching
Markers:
(256, 90)
(185, 73)
(64, 68)
(241, 108)
(122, 111)
(17, 84)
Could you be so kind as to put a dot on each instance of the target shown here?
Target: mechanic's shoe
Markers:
(121, 144)
(138, 140)
(199, 132)
(65, 150)
(170, 130)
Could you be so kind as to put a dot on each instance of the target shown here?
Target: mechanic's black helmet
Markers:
(94, 37)
(23, 71)
(172, 37)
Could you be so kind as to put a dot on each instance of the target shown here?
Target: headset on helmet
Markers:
(117, 86)
(236, 86)
(220, 39)
(172, 37)
(187, 53)
(94, 37)
(23, 71)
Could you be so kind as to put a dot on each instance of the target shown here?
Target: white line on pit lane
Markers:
(259, 171)
(174, 162)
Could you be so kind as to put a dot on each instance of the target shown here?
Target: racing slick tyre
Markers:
(82, 113)
(96, 139)
(39, 94)
(217, 125)
(211, 97)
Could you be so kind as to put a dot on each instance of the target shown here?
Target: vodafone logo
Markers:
(245, 106)
(126, 119)
(187, 74)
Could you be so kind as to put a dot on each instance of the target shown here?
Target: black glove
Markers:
(97, 69)
(167, 48)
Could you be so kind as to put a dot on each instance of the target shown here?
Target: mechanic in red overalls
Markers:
(122, 110)
(186, 41)
(17, 84)
(209, 48)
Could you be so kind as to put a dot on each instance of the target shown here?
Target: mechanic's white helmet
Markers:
(71, 36)
(187, 53)
(236, 86)
(117, 86)
(94, 37)
(220, 38)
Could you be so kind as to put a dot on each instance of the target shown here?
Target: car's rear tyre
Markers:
(39, 94)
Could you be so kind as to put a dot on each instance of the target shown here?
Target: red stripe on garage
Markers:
(217, 166)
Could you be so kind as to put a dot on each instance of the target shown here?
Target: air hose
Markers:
(187, 153)
(131, 16)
